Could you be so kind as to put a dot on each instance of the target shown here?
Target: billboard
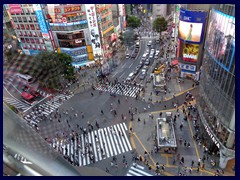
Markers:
(187, 67)
(220, 41)
(15, 8)
(93, 28)
(191, 26)
(190, 52)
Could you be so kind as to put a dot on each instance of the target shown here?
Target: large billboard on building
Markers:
(93, 28)
(15, 8)
(191, 26)
(78, 54)
(190, 52)
(220, 41)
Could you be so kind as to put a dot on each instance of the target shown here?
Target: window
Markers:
(29, 46)
(25, 33)
(27, 40)
(24, 46)
(27, 11)
(37, 27)
(24, 19)
(29, 34)
(34, 47)
(22, 40)
(22, 27)
(32, 26)
(34, 34)
(34, 19)
(37, 41)
(39, 34)
(20, 33)
(32, 10)
(17, 26)
(29, 19)
(32, 41)
(27, 26)
(39, 47)
(44, 47)
(19, 19)
(41, 41)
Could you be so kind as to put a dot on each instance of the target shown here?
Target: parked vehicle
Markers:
(127, 56)
(149, 43)
(130, 76)
(142, 75)
(147, 62)
(134, 55)
(24, 77)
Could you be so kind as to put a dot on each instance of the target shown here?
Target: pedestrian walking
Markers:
(185, 143)
(91, 94)
(192, 163)
(102, 112)
(182, 160)
(118, 101)
(139, 119)
(180, 140)
(107, 170)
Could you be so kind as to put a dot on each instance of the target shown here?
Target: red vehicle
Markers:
(27, 97)
(31, 90)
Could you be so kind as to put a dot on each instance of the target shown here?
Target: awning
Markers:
(175, 62)
(27, 96)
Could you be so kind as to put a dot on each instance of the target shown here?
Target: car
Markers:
(157, 52)
(149, 79)
(151, 56)
(136, 50)
(142, 75)
(149, 43)
(134, 55)
(130, 76)
(157, 41)
(138, 68)
(156, 56)
(144, 57)
(145, 68)
(147, 62)
(152, 51)
(35, 93)
(137, 44)
(135, 72)
(127, 56)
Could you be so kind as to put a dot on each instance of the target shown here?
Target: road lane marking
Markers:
(122, 75)
(130, 65)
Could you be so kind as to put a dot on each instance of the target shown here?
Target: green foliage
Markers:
(160, 24)
(133, 21)
(128, 37)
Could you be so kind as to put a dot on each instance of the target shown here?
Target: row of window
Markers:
(72, 44)
(27, 26)
(34, 47)
(29, 33)
(24, 18)
(72, 36)
(32, 40)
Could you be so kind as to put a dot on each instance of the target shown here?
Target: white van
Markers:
(24, 77)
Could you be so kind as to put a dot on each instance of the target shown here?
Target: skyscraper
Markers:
(216, 102)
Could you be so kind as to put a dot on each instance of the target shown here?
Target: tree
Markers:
(128, 37)
(159, 25)
(133, 21)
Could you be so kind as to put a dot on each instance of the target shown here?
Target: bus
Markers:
(24, 77)
(159, 83)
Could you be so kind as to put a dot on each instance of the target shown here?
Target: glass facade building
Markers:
(216, 101)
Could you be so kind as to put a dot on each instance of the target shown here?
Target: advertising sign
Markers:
(75, 51)
(220, 41)
(188, 67)
(40, 18)
(93, 28)
(72, 8)
(191, 26)
(87, 37)
(190, 52)
(15, 8)
(68, 24)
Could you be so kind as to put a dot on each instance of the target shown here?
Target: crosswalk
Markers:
(137, 170)
(16, 103)
(125, 90)
(94, 146)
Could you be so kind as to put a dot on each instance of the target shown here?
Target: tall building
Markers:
(216, 101)
(106, 28)
(70, 30)
(31, 28)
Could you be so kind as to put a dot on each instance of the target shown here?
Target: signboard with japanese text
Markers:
(93, 28)
(72, 8)
(187, 67)
(69, 24)
(15, 8)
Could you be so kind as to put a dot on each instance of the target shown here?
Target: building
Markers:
(108, 37)
(159, 10)
(71, 31)
(31, 28)
(216, 101)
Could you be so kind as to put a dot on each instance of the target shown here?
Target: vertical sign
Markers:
(93, 28)
(43, 27)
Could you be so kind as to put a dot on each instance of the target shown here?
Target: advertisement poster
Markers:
(93, 28)
(87, 37)
(187, 67)
(220, 41)
(190, 52)
(191, 26)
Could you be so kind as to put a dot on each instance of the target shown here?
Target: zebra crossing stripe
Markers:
(114, 134)
(118, 137)
(108, 142)
(126, 137)
(98, 146)
(79, 158)
(94, 147)
(83, 150)
(68, 148)
(125, 126)
(129, 174)
(104, 141)
(134, 173)
(140, 171)
(110, 133)
(89, 141)
(118, 126)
